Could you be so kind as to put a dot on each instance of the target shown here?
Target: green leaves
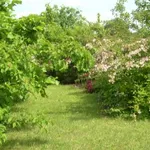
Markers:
(65, 17)
(2, 134)
(20, 74)
(142, 16)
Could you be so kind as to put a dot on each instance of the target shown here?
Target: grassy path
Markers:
(75, 124)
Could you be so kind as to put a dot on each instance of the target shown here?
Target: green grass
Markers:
(75, 123)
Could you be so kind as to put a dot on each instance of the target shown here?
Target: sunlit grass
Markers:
(75, 123)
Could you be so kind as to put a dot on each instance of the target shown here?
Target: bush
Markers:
(64, 60)
(124, 82)
(20, 73)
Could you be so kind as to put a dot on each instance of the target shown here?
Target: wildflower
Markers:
(136, 65)
(129, 64)
(105, 67)
(89, 46)
(112, 77)
(143, 60)
(132, 53)
(96, 68)
(94, 40)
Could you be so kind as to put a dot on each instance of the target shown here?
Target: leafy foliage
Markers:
(123, 82)
(60, 43)
(19, 73)
(66, 17)
(32, 46)
(141, 17)
(122, 63)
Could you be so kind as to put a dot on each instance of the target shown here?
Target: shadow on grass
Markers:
(10, 144)
(16, 109)
(87, 107)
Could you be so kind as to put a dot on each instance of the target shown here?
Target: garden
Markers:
(67, 83)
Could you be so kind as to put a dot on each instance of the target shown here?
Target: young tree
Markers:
(141, 17)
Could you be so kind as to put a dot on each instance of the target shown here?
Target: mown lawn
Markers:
(75, 123)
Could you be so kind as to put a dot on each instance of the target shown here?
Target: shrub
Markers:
(20, 74)
(64, 58)
(123, 82)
